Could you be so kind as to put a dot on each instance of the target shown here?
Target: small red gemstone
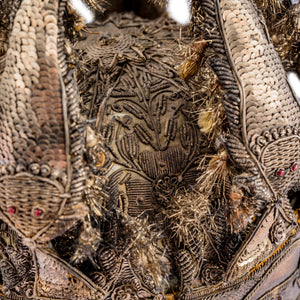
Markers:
(295, 167)
(38, 212)
(12, 210)
(280, 173)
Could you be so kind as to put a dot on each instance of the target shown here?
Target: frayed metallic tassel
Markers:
(214, 175)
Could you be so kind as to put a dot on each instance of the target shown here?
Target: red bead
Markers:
(38, 212)
(12, 210)
(280, 173)
(295, 167)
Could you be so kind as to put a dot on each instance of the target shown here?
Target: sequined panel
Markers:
(29, 217)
